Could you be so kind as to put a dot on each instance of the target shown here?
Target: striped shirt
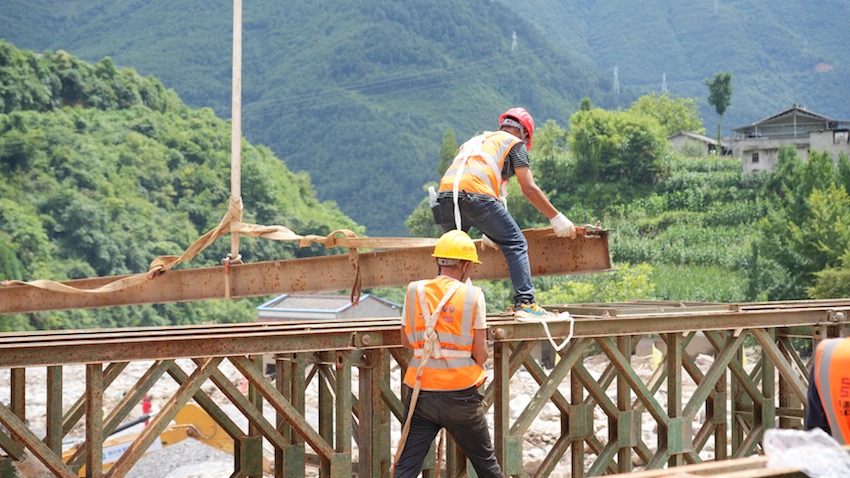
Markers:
(517, 158)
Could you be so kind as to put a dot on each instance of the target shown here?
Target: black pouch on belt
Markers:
(437, 214)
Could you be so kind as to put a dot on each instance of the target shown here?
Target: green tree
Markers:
(720, 96)
(832, 282)
(830, 224)
(550, 140)
(127, 175)
(806, 228)
(673, 114)
(420, 222)
(617, 147)
(448, 151)
(10, 266)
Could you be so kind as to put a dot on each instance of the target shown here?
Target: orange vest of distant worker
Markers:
(481, 160)
(832, 376)
(455, 370)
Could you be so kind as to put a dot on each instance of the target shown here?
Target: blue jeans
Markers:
(489, 216)
(461, 414)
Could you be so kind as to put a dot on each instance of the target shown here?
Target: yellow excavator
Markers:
(191, 422)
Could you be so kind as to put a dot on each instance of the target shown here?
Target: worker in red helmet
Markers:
(473, 194)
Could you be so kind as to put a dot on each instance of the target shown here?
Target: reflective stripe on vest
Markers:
(482, 158)
(832, 377)
(443, 364)
(442, 337)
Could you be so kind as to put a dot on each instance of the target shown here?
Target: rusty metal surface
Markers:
(83, 346)
(549, 255)
(737, 402)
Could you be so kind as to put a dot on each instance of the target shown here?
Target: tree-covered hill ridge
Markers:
(103, 170)
(357, 94)
(780, 52)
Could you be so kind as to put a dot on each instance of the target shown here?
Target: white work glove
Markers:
(487, 242)
(563, 227)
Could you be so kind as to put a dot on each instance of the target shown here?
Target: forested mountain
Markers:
(779, 52)
(356, 93)
(102, 170)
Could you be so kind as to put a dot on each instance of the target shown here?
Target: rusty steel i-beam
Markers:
(548, 254)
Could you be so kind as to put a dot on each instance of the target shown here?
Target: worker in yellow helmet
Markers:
(444, 322)
(473, 194)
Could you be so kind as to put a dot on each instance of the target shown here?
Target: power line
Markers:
(435, 77)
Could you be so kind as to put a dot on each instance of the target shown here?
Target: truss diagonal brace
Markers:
(548, 254)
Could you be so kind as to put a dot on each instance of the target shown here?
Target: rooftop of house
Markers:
(697, 136)
(318, 302)
(797, 115)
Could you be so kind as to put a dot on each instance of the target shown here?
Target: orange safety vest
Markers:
(832, 377)
(455, 370)
(481, 159)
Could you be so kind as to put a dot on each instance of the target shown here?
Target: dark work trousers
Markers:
(489, 216)
(461, 414)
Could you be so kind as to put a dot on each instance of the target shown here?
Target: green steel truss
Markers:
(355, 367)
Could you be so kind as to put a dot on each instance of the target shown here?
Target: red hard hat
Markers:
(524, 117)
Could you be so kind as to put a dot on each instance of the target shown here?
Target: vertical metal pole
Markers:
(624, 404)
(718, 415)
(458, 467)
(94, 420)
(236, 120)
(369, 423)
(293, 456)
(674, 392)
(341, 463)
(54, 409)
(282, 378)
(787, 398)
(251, 463)
(374, 426)
(326, 417)
(737, 396)
(577, 446)
(18, 403)
(501, 401)
(768, 383)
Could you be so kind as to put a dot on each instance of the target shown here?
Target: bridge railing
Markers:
(334, 402)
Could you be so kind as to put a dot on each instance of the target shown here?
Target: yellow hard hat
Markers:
(456, 244)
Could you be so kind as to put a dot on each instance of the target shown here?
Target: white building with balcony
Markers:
(758, 144)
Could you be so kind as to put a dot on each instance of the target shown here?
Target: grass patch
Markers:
(698, 283)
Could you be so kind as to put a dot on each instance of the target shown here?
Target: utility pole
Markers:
(617, 84)
(236, 124)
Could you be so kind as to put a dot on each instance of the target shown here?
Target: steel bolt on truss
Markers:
(353, 363)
